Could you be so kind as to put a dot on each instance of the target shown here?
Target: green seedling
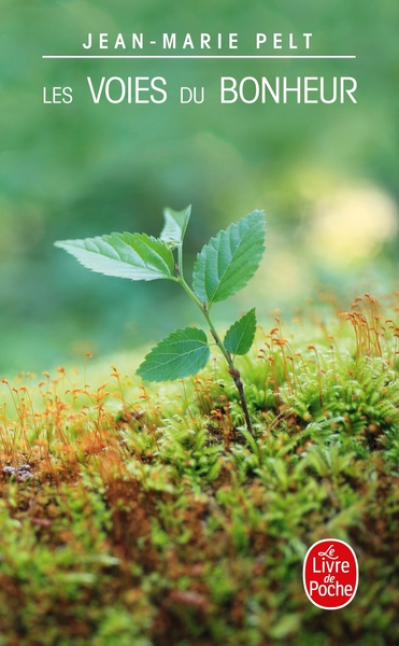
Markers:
(223, 267)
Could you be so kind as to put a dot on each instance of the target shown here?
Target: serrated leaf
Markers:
(228, 261)
(175, 225)
(124, 255)
(240, 336)
(182, 353)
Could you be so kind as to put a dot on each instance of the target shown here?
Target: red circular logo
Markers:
(330, 574)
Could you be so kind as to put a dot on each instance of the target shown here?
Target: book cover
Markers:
(199, 419)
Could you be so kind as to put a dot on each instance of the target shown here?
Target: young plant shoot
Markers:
(223, 267)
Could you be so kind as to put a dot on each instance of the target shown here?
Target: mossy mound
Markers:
(151, 517)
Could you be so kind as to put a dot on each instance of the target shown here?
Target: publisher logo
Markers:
(330, 574)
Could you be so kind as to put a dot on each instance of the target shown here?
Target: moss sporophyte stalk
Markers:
(223, 267)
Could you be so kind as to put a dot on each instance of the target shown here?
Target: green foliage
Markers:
(222, 268)
(175, 226)
(124, 255)
(229, 261)
(182, 353)
(240, 336)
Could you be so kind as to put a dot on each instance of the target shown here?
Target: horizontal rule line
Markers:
(227, 56)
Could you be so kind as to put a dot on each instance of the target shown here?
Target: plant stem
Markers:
(235, 374)
(240, 387)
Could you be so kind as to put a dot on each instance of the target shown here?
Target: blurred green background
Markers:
(326, 175)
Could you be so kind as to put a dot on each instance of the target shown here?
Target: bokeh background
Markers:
(326, 175)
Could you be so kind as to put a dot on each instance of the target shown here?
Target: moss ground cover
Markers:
(137, 515)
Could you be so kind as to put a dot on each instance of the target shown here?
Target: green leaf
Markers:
(241, 334)
(175, 226)
(227, 263)
(182, 353)
(124, 255)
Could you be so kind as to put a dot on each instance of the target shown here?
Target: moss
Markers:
(152, 518)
